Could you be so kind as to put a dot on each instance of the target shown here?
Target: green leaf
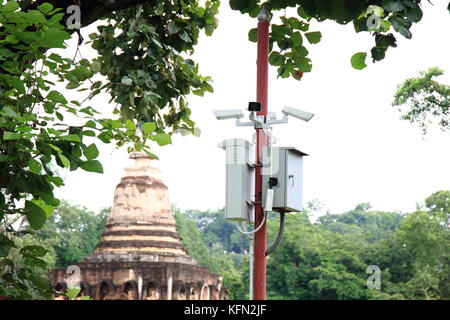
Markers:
(385, 40)
(296, 39)
(9, 113)
(34, 251)
(9, 6)
(34, 166)
(17, 84)
(148, 127)
(11, 135)
(35, 17)
(414, 14)
(35, 262)
(47, 208)
(35, 215)
(401, 26)
(71, 137)
(45, 7)
(313, 37)
(130, 125)
(378, 53)
(285, 44)
(82, 73)
(172, 27)
(197, 132)
(91, 152)
(358, 60)
(6, 53)
(253, 35)
(54, 38)
(84, 62)
(302, 14)
(304, 64)
(72, 292)
(56, 97)
(5, 245)
(185, 37)
(162, 139)
(393, 5)
(88, 133)
(240, 4)
(92, 166)
(276, 59)
(65, 162)
(300, 51)
(90, 124)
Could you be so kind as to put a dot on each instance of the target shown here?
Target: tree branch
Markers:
(91, 11)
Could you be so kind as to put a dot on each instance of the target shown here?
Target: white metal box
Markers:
(288, 169)
(240, 179)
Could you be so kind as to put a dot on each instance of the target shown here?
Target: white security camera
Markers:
(228, 114)
(299, 114)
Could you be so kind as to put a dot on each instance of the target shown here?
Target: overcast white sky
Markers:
(360, 151)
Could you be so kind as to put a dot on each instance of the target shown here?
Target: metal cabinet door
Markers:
(294, 181)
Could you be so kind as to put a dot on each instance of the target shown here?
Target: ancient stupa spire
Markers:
(141, 225)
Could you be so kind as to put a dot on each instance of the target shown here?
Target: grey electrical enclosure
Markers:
(240, 179)
(287, 164)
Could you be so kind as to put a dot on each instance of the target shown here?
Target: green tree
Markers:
(314, 263)
(213, 256)
(30, 262)
(217, 231)
(384, 20)
(415, 260)
(73, 232)
(35, 135)
(363, 221)
(424, 101)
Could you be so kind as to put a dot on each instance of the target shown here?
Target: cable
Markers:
(279, 236)
(255, 230)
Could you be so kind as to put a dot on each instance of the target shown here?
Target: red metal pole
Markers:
(259, 258)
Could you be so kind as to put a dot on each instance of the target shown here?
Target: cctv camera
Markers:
(228, 114)
(254, 106)
(299, 114)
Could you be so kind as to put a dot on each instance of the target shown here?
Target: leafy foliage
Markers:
(416, 260)
(312, 263)
(72, 232)
(423, 100)
(371, 225)
(37, 138)
(140, 53)
(381, 18)
(211, 253)
(323, 260)
(329, 259)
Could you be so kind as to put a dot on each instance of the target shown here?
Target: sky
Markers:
(360, 150)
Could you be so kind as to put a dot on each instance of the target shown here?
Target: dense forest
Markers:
(319, 258)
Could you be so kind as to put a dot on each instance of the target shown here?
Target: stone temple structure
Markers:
(140, 256)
